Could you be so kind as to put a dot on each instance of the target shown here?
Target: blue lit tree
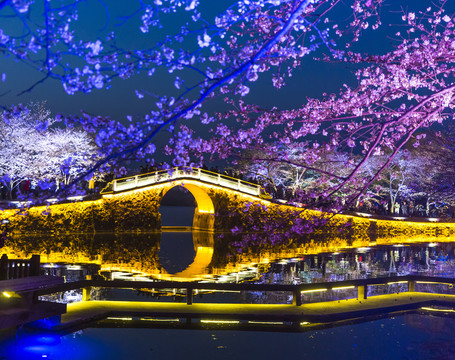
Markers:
(203, 50)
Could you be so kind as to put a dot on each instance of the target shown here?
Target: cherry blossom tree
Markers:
(273, 169)
(66, 154)
(393, 184)
(32, 148)
(20, 134)
(434, 180)
(206, 56)
(397, 95)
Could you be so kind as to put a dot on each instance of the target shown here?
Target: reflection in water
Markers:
(187, 256)
(200, 248)
(174, 261)
(193, 256)
(211, 257)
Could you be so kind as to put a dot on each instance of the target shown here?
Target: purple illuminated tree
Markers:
(397, 94)
(206, 57)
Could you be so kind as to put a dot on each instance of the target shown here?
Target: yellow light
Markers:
(364, 215)
(206, 211)
(433, 282)
(397, 282)
(75, 198)
(220, 321)
(315, 290)
(120, 318)
(6, 294)
(266, 322)
(343, 287)
(160, 320)
(304, 323)
(437, 310)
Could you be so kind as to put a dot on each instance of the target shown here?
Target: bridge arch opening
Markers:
(177, 208)
(202, 206)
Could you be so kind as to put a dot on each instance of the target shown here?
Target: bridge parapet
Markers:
(157, 177)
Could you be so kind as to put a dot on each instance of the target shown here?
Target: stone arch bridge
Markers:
(212, 192)
(132, 204)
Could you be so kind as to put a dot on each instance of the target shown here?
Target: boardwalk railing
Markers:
(157, 177)
(297, 291)
(16, 268)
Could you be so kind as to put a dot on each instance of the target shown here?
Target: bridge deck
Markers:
(80, 313)
(158, 177)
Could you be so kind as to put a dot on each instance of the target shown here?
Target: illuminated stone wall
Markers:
(218, 208)
(132, 212)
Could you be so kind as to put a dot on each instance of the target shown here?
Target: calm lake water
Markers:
(413, 337)
(199, 256)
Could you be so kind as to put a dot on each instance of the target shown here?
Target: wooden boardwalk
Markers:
(19, 304)
(81, 313)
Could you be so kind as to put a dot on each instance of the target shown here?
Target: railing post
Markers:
(4, 267)
(189, 296)
(296, 298)
(199, 173)
(238, 184)
(87, 290)
(22, 269)
(13, 269)
(34, 265)
(219, 179)
(411, 285)
(114, 185)
(362, 292)
(136, 178)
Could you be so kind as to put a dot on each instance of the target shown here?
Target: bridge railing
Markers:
(19, 268)
(360, 285)
(157, 177)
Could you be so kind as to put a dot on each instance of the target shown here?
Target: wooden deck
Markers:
(19, 304)
(81, 313)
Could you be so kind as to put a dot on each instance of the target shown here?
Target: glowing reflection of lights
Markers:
(438, 310)
(31, 345)
(74, 267)
(219, 321)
